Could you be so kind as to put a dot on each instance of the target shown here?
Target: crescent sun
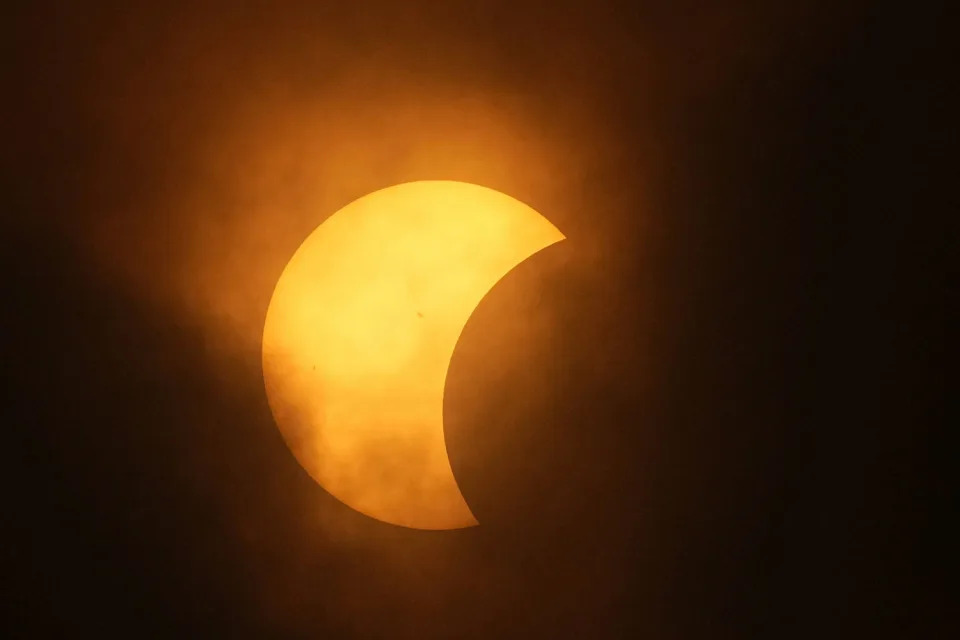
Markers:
(359, 334)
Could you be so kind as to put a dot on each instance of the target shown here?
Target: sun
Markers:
(360, 331)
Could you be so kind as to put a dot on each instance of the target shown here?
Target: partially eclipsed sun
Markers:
(360, 331)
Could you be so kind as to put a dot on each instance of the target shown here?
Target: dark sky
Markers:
(710, 413)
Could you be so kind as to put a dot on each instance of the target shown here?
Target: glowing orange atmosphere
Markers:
(360, 332)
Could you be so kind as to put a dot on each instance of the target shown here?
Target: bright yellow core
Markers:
(360, 331)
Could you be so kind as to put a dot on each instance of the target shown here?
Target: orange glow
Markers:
(360, 332)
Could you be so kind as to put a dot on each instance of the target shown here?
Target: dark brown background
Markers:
(708, 414)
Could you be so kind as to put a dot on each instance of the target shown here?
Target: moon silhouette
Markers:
(360, 331)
